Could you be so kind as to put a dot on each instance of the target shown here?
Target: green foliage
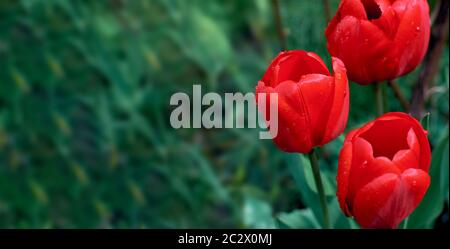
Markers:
(298, 219)
(257, 213)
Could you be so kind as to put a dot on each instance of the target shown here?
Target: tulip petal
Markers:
(408, 158)
(387, 137)
(293, 126)
(316, 92)
(365, 169)
(413, 36)
(378, 53)
(291, 65)
(361, 157)
(342, 42)
(421, 134)
(343, 175)
(346, 8)
(371, 199)
(390, 198)
(418, 182)
(388, 21)
(373, 61)
(338, 114)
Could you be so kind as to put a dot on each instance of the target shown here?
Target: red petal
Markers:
(342, 43)
(425, 151)
(352, 8)
(387, 200)
(343, 175)
(413, 35)
(387, 137)
(294, 132)
(371, 201)
(346, 8)
(408, 158)
(418, 182)
(378, 53)
(316, 92)
(388, 22)
(362, 156)
(374, 48)
(367, 171)
(291, 65)
(338, 113)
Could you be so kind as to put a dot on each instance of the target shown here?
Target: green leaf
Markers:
(425, 121)
(337, 218)
(297, 219)
(327, 182)
(433, 201)
(295, 162)
(257, 213)
(204, 41)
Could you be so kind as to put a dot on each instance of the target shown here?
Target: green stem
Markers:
(279, 24)
(319, 185)
(326, 9)
(379, 99)
(399, 95)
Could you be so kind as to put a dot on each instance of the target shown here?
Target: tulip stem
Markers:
(279, 24)
(326, 9)
(320, 190)
(399, 95)
(379, 99)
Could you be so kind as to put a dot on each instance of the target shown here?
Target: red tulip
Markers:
(379, 39)
(312, 104)
(383, 170)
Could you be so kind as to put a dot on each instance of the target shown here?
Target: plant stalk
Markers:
(379, 99)
(320, 190)
(279, 24)
(399, 95)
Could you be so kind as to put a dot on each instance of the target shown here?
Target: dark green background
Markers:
(85, 138)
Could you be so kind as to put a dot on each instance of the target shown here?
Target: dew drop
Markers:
(364, 164)
(417, 28)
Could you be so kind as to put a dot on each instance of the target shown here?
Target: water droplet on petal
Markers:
(364, 164)
(417, 28)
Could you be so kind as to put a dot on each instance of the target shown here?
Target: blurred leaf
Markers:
(327, 184)
(309, 198)
(257, 213)
(337, 218)
(433, 202)
(202, 39)
(298, 219)
(425, 121)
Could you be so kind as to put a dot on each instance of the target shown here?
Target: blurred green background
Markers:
(85, 138)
